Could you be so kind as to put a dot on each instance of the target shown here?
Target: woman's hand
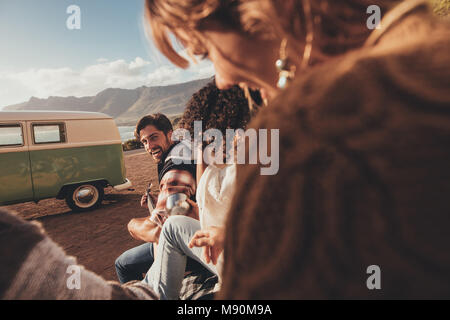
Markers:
(211, 239)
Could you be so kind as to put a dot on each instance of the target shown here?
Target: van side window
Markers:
(49, 133)
(11, 135)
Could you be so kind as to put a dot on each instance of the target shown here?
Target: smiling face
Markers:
(242, 38)
(241, 60)
(155, 142)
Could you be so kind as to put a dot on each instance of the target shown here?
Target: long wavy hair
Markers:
(338, 26)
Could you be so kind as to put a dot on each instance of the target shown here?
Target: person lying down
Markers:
(33, 266)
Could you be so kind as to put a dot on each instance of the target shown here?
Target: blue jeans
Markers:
(133, 263)
(167, 272)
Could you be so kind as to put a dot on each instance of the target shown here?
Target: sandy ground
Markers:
(97, 237)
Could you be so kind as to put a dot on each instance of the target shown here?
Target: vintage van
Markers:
(67, 155)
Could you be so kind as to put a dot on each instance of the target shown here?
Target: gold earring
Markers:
(286, 72)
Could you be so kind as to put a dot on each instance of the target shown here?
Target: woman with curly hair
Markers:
(219, 109)
(182, 237)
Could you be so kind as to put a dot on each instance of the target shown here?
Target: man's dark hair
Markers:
(217, 109)
(160, 121)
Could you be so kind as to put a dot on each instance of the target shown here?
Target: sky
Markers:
(41, 56)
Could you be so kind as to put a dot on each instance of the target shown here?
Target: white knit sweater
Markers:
(214, 194)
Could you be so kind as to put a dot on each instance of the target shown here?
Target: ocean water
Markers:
(126, 133)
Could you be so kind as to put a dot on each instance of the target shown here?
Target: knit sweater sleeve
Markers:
(33, 266)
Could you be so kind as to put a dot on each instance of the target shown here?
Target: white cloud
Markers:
(163, 76)
(203, 69)
(138, 63)
(45, 82)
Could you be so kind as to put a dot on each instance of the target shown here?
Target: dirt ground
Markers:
(96, 238)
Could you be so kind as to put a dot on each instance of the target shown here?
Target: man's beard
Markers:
(162, 151)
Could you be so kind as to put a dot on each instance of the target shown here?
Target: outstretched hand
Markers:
(212, 241)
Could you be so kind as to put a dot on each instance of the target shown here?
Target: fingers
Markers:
(206, 254)
(192, 203)
(194, 209)
(191, 243)
(215, 253)
(144, 200)
(199, 242)
(198, 235)
(211, 248)
(201, 234)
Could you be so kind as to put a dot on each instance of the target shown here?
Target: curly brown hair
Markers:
(219, 109)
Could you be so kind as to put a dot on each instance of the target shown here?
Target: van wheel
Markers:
(84, 197)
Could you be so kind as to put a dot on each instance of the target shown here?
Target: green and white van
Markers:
(67, 155)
